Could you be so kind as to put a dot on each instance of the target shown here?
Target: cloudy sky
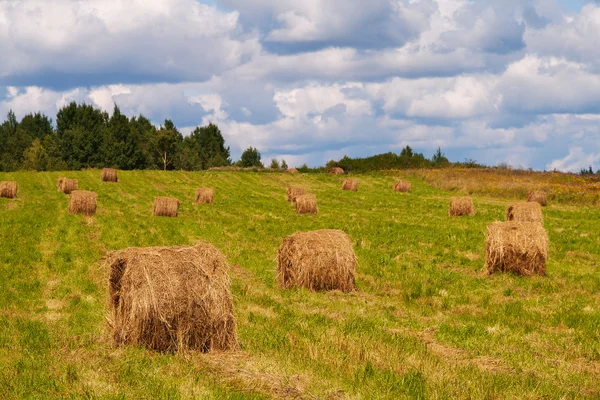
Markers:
(514, 81)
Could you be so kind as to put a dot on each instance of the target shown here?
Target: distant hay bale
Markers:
(350, 184)
(171, 298)
(9, 189)
(165, 207)
(205, 196)
(83, 202)
(401, 186)
(291, 171)
(306, 204)
(517, 247)
(318, 260)
(538, 196)
(335, 171)
(66, 185)
(525, 212)
(460, 206)
(293, 192)
(109, 175)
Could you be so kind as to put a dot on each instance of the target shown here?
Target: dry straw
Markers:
(165, 207)
(171, 298)
(9, 189)
(291, 171)
(335, 171)
(293, 192)
(306, 204)
(82, 202)
(525, 212)
(318, 260)
(401, 186)
(109, 175)
(538, 196)
(205, 196)
(460, 206)
(517, 247)
(66, 185)
(350, 184)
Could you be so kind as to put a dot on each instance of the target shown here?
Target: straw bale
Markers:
(9, 189)
(66, 185)
(291, 171)
(318, 260)
(335, 171)
(538, 196)
(165, 207)
(82, 202)
(401, 186)
(293, 192)
(205, 196)
(525, 212)
(517, 247)
(109, 175)
(350, 184)
(171, 298)
(460, 206)
(306, 204)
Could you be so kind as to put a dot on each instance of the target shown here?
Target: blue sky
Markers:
(497, 81)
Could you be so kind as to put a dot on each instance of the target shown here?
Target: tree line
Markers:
(86, 137)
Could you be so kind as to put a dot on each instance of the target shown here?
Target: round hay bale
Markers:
(318, 260)
(205, 196)
(335, 171)
(525, 212)
(109, 175)
(306, 204)
(517, 247)
(82, 202)
(291, 171)
(350, 184)
(401, 186)
(171, 298)
(9, 189)
(293, 192)
(66, 185)
(460, 206)
(165, 207)
(538, 196)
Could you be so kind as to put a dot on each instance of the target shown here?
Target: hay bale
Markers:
(66, 185)
(517, 247)
(171, 298)
(350, 184)
(293, 192)
(318, 260)
(165, 207)
(306, 204)
(401, 186)
(82, 202)
(460, 206)
(291, 171)
(335, 171)
(205, 196)
(109, 175)
(525, 212)
(538, 196)
(9, 189)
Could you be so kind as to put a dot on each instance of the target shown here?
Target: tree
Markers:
(35, 157)
(439, 158)
(274, 164)
(284, 164)
(406, 152)
(205, 148)
(251, 158)
(167, 143)
(37, 125)
(13, 143)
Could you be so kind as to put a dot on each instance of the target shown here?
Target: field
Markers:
(426, 322)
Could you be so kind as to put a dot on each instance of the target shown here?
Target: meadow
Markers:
(426, 321)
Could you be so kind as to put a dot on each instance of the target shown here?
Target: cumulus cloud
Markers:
(576, 160)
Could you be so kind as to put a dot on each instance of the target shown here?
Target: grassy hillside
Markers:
(425, 323)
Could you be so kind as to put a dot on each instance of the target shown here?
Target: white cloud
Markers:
(576, 160)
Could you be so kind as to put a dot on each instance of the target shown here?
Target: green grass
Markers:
(425, 323)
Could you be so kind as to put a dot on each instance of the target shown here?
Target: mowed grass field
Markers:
(426, 321)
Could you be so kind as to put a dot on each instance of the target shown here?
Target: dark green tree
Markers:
(284, 164)
(251, 158)
(274, 164)
(13, 143)
(167, 143)
(439, 159)
(37, 125)
(204, 148)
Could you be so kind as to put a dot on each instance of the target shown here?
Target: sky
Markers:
(496, 81)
